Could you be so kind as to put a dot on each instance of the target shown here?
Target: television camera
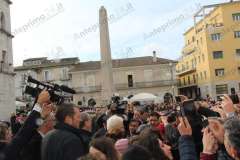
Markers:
(58, 93)
(118, 105)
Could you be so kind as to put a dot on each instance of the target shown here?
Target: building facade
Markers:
(7, 94)
(210, 61)
(130, 76)
(44, 70)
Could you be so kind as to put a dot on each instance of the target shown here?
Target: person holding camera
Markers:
(41, 110)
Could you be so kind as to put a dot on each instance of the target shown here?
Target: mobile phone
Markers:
(189, 108)
(234, 98)
(178, 99)
(182, 114)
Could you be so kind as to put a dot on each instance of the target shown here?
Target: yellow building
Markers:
(210, 61)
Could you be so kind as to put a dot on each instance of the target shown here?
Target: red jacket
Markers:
(205, 156)
(161, 127)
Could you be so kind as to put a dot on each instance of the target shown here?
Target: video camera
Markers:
(56, 91)
(119, 104)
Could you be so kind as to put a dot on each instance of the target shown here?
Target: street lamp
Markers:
(172, 83)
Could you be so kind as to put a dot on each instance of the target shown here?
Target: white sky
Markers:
(51, 27)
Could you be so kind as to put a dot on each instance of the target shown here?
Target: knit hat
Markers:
(114, 124)
(121, 145)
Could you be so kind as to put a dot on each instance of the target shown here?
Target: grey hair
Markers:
(83, 118)
(232, 132)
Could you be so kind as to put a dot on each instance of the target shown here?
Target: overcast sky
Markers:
(68, 28)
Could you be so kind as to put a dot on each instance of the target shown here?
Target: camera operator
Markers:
(32, 151)
(40, 111)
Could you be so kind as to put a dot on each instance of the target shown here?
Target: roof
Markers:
(44, 65)
(118, 63)
(209, 6)
(35, 59)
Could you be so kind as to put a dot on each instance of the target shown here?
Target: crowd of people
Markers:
(178, 129)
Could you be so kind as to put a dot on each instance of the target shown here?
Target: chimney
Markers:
(154, 56)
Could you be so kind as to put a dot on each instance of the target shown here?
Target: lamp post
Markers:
(172, 83)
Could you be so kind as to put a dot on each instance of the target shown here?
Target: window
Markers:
(205, 74)
(184, 82)
(2, 21)
(179, 82)
(194, 78)
(201, 75)
(218, 54)
(197, 76)
(192, 63)
(187, 67)
(4, 57)
(47, 76)
(189, 81)
(183, 67)
(130, 80)
(238, 70)
(203, 57)
(199, 59)
(64, 73)
(236, 34)
(193, 39)
(222, 89)
(219, 72)
(23, 79)
(90, 80)
(238, 53)
(236, 16)
(216, 37)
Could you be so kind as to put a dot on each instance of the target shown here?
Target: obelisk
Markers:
(106, 58)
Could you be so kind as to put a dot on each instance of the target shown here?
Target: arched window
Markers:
(2, 20)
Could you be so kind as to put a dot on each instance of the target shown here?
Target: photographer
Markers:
(32, 151)
(40, 111)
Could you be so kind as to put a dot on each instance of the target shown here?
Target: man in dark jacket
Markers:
(32, 151)
(24, 135)
(85, 130)
(65, 142)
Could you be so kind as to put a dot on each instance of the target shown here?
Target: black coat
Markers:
(22, 138)
(63, 143)
(32, 151)
(86, 138)
(186, 148)
(222, 153)
(100, 133)
(2, 146)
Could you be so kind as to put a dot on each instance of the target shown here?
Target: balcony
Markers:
(189, 49)
(214, 28)
(186, 71)
(65, 78)
(124, 86)
(88, 89)
(161, 83)
(192, 83)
